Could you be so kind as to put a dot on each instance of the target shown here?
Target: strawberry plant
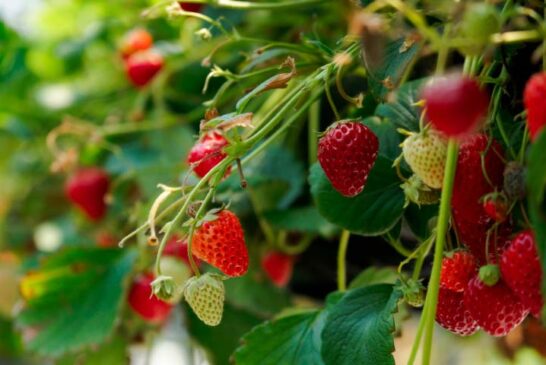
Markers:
(282, 182)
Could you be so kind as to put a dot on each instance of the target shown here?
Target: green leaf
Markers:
(75, 298)
(374, 211)
(374, 275)
(359, 328)
(304, 219)
(290, 340)
(113, 351)
(260, 298)
(401, 111)
(10, 345)
(389, 138)
(419, 219)
(536, 185)
(398, 55)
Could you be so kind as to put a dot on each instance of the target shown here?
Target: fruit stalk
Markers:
(199, 213)
(245, 5)
(341, 254)
(441, 231)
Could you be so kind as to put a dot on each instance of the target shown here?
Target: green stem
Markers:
(245, 5)
(312, 131)
(328, 92)
(198, 215)
(342, 252)
(441, 231)
(182, 212)
(397, 245)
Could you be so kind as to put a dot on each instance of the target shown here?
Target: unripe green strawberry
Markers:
(426, 153)
(417, 192)
(205, 295)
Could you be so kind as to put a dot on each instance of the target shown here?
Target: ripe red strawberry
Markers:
(221, 243)
(426, 153)
(347, 153)
(495, 206)
(278, 267)
(87, 189)
(146, 305)
(470, 186)
(534, 98)
(135, 41)
(457, 271)
(495, 308)
(176, 247)
(142, 67)
(521, 270)
(452, 314)
(207, 153)
(455, 104)
(191, 6)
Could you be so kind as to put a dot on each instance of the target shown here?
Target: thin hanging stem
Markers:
(341, 254)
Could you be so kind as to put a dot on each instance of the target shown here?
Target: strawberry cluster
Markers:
(495, 298)
(141, 63)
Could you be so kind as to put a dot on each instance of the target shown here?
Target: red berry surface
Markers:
(221, 243)
(534, 98)
(87, 189)
(278, 267)
(470, 186)
(135, 41)
(146, 305)
(495, 308)
(522, 272)
(455, 104)
(191, 6)
(347, 153)
(176, 247)
(457, 271)
(452, 315)
(142, 67)
(207, 153)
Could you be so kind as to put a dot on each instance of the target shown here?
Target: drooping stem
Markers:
(312, 131)
(441, 232)
(246, 5)
(198, 215)
(341, 254)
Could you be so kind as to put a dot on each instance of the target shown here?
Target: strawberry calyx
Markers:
(413, 291)
(163, 287)
(489, 274)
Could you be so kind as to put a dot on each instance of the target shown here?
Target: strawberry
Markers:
(495, 206)
(147, 306)
(452, 314)
(347, 153)
(457, 271)
(221, 243)
(205, 295)
(142, 67)
(477, 236)
(425, 153)
(469, 188)
(176, 247)
(514, 180)
(521, 270)
(87, 189)
(135, 41)
(455, 104)
(194, 7)
(207, 153)
(495, 308)
(278, 267)
(534, 99)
